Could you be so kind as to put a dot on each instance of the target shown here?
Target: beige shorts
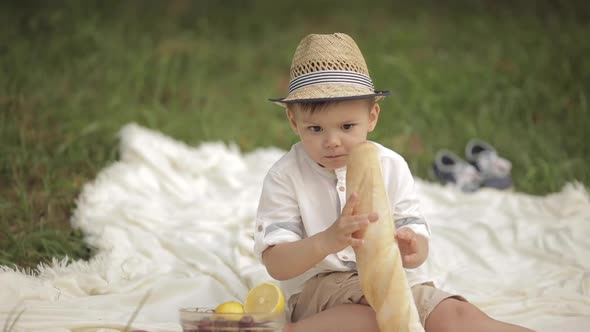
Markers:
(327, 290)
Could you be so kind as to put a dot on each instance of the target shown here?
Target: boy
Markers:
(304, 224)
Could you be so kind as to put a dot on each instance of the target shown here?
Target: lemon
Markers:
(265, 298)
(230, 308)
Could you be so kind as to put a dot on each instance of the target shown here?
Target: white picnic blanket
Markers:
(176, 220)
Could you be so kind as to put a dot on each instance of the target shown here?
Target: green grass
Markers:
(516, 74)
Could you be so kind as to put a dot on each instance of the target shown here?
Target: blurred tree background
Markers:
(514, 73)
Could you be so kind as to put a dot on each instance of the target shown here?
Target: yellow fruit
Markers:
(230, 308)
(265, 298)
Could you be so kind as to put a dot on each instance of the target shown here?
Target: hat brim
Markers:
(325, 99)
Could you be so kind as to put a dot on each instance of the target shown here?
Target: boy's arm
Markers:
(290, 259)
(413, 247)
(412, 230)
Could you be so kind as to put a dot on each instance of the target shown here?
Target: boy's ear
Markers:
(374, 116)
(292, 122)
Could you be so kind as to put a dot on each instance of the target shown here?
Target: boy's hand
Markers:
(409, 247)
(340, 234)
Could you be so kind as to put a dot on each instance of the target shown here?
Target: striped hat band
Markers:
(331, 76)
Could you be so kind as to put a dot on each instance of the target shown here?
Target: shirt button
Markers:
(344, 257)
(341, 188)
(259, 228)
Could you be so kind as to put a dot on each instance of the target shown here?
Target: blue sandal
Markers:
(494, 170)
(449, 168)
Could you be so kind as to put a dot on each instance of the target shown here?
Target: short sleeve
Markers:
(406, 206)
(278, 218)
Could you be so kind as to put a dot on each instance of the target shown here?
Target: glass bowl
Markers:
(206, 320)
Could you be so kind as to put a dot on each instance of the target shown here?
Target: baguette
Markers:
(379, 262)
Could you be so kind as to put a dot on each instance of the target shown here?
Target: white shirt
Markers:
(301, 198)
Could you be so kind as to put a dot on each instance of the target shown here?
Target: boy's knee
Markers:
(450, 315)
(460, 310)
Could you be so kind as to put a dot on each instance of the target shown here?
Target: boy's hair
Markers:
(314, 107)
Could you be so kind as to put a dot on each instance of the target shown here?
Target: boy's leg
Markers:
(454, 315)
(341, 318)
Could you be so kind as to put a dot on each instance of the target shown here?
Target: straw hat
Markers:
(328, 68)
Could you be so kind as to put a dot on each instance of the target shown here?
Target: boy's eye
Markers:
(315, 129)
(348, 126)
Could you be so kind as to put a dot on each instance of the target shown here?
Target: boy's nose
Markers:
(331, 141)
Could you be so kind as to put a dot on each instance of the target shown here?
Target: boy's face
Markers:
(329, 135)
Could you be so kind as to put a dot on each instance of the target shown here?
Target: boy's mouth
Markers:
(335, 156)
